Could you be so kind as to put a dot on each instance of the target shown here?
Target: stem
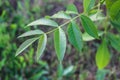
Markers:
(64, 24)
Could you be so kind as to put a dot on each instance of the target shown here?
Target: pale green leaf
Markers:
(61, 15)
(60, 43)
(68, 70)
(102, 55)
(89, 26)
(41, 45)
(75, 36)
(43, 21)
(97, 16)
(71, 9)
(25, 45)
(30, 33)
(87, 37)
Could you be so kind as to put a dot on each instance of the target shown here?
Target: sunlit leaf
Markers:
(102, 55)
(25, 45)
(41, 45)
(43, 21)
(87, 37)
(61, 15)
(60, 43)
(30, 33)
(68, 70)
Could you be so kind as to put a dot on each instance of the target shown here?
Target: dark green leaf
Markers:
(89, 26)
(24, 45)
(30, 33)
(75, 36)
(102, 55)
(60, 43)
(115, 41)
(44, 21)
(41, 45)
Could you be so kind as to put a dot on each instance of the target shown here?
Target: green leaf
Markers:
(109, 3)
(102, 56)
(68, 70)
(97, 16)
(43, 21)
(89, 26)
(25, 44)
(87, 37)
(60, 71)
(115, 41)
(115, 10)
(30, 33)
(61, 15)
(75, 36)
(41, 45)
(37, 76)
(101, 74)
(60, 43)
(71, 9)
(88, 5)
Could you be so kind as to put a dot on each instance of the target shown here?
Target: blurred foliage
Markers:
(13, 17)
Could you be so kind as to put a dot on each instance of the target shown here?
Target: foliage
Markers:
(91, 24)
(74, 33)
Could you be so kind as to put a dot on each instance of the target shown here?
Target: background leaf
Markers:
(88, 4)
(32, 32)
(109, 3)
(115, 10)
(41, 45)
(44, 21)
(89, 26)
(75, 36)
(25, 44)
(102, 55)
(101, 74)
(68, 70)
(115, 41)
(60, 43)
